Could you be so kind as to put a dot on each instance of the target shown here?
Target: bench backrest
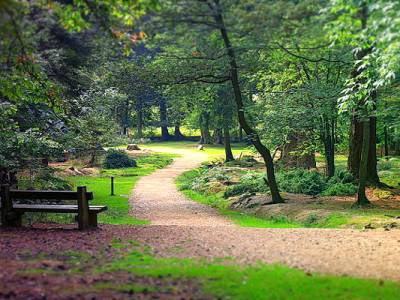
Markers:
(56, 196)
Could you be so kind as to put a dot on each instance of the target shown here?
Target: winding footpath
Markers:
(183, 228)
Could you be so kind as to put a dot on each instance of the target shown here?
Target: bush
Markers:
(385, 165)
(340, 189)
(250, 183)
(301, 181)
(342, 176)
(54, 183)
(117, 159)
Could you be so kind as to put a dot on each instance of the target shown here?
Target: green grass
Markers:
(224, 279)
(389, 171)
(125, 180)
(213, 151)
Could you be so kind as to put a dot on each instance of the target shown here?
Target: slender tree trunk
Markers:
(362, 199)
(240, 133)
(385, 131)
(139, 119)
(227, 144)
(329, 147)
(218, 136)
(397, 148)
(163, 121)
(205, 128)
(255, 139)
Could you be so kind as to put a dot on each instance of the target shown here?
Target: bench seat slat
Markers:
(55, 208)
(47, 195)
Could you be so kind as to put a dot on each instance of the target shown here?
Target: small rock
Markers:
(369, 226)
(200, 147)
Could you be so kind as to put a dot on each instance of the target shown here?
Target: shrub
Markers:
(301, 181)
(117, 159)
(249, 183)
(342, 176)
(385, 165)
(340, 189)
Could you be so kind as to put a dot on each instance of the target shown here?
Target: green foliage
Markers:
(342, 176)
(384, 165)
(117, 159)
(301, 181)
(45, 180)
(249, 183)
(340, 189)
(48, 181)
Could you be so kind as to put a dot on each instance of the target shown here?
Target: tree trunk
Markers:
(139, 119)
(255, 139)
(328, 137)
(204, 122)
(355, 148)
(362, 199)
(329, 158)
(227, 144)
(240, 134)
(385, 132)
(163, 121)
(177, 133)
(218, 136)
(397, 148)
(8, 177)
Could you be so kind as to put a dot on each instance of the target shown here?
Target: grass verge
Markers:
(100, 185)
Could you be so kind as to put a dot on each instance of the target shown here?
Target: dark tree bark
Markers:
(227, 144)
(355, 149)
(328, 139)
(8, 177)
(255, 139)
(163, 121)
(362, 199)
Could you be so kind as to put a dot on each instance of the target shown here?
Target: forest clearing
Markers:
(199, 149)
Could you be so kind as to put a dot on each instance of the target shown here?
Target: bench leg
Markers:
(83, 209)
(93, 220)
(12, 219)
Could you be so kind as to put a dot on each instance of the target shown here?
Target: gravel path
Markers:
(183, 228)
(156, 197)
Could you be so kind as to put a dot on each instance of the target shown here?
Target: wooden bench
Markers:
(48, 202)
